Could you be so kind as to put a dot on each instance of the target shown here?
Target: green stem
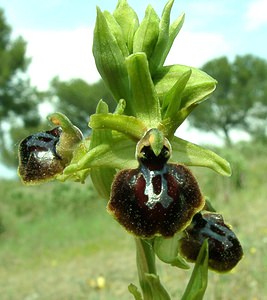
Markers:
(145, 259)
(147, 273)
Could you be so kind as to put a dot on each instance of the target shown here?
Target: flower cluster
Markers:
(132, 155)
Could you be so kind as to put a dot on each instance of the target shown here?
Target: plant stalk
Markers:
(147, 273)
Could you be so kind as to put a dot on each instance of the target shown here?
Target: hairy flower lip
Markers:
(38, 157)
(157, 197)
(225, 250)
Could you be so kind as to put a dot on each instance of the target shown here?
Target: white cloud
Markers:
(66, 53)
(196, 48)
(256, 15)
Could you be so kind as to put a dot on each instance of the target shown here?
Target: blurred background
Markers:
(54, 238)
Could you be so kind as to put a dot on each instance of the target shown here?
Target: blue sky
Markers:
(59, 32)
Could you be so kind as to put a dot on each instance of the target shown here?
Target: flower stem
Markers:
(147, 273)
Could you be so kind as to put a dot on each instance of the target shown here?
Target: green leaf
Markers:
(109, 59)
(147, 33)
(198, 282)
(193, 155)
(134, 291)
(158, 292)
(167, 251)
(145, 102)
(130, 126)
(128, 21)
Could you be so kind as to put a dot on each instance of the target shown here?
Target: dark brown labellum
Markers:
(155, 198)
(225, 250)
(38, 156)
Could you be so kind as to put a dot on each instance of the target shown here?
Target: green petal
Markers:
(128, 21)
(167, 251)
(130, 126)
(145, 102)
(193, 155)
(197, 285)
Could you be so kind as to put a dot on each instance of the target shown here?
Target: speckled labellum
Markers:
(157, 197)
(225, 250)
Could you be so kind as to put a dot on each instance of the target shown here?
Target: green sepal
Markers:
(99, 137)
(193, 155)
(134, 291)
(198, 282)
(166, 250)
(145, 102)
(157, 58)
(130, 126)
(199, 86)
(117, 32)
(172, 101)
(128, 21)
(102, 177)
(109, 59)
(147, 33)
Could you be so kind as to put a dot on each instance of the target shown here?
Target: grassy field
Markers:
(57, 241)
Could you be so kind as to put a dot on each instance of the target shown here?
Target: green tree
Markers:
(78, 99)
(18, 99)
(239, 102)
